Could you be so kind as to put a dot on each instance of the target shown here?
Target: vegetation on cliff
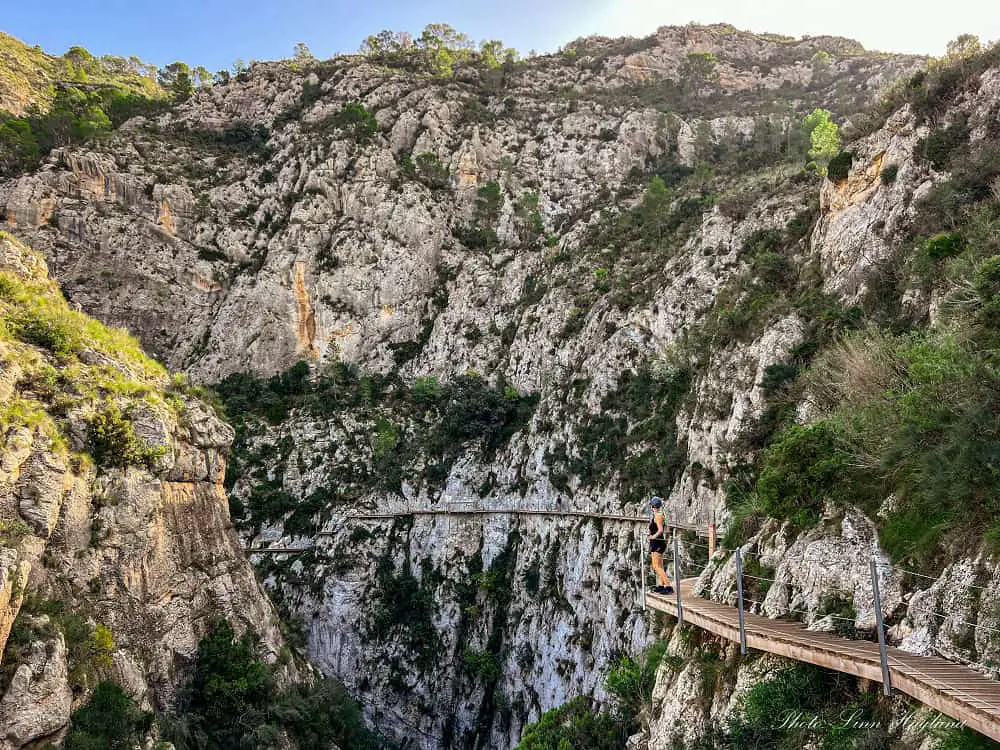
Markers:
(233, 700)
(415, 432)
(908, 407)
(70, 366)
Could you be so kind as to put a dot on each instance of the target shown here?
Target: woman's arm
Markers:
(659, 525)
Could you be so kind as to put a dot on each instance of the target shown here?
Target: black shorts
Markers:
(658, 545)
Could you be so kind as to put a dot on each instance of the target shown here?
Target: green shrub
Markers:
(944, 245)
(18, 146)
(965, 739)
(242, 137)
(323, 714)
(986, 282)
(773, 269)
(404, 612)
(485, 665)
(840, 166)
(47, 333)
(760, 721)
(476, 237)
(233, 701)
(630, 681)
(635, 435)
(12, 531)
(804, 468)
(425, 389)
(776, 376)
(842, 609)
(759, 577)
(229, 682)
(102, 646)
(110, 720)
(940, 146)
(353, 118)
(113, 443)
(489, 203)
(889, 173)
(747, 514)
(572, 725)
(431, 171)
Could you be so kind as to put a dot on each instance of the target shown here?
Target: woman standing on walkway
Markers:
(658, 545)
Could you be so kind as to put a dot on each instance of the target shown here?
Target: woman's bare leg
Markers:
(661, 576)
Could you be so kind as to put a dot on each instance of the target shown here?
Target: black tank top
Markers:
(653, 527)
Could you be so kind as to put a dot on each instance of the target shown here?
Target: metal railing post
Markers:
(677, 580)
(642, 574)
(739, 600)
(886, 682)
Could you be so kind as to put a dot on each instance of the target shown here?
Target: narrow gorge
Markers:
(752, 274)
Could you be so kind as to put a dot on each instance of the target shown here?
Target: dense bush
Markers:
(353, 118)
(965, 739)
(110, 720)
(805, 468)
(113, 443)
(404, 612)
(573, 725)
(913, 415)
(229, 682)
(819, 697)
(233, 701)
(47, 332)
(630, 681)
(485, 665)
(777, 375)
(839, 167)
(889, 173)
(940, 145)
(430, 171)
(986, 282)
(944, 245)
(476, 238)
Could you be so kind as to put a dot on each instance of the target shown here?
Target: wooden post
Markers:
(711, 538)
(677, 580)
(886, 682)
(739, 600)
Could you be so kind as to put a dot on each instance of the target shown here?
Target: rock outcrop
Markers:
(140, 544)
(620, 238)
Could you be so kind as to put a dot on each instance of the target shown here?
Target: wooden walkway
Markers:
(553, 512)
(954, 690)
(701, 531)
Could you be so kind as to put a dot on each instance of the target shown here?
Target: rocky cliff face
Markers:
(112, 514)
(868, 231)
(258, 202)
(505, 222)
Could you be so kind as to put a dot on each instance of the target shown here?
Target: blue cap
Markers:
(656, 502)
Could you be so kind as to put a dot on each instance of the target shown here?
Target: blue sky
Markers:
(214, 33)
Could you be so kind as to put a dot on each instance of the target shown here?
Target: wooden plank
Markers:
(701, 532)
(955, 690)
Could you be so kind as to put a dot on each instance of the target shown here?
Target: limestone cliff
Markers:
(112, 511)
(563, 284)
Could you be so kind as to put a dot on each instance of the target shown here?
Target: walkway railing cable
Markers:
(910, 607)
